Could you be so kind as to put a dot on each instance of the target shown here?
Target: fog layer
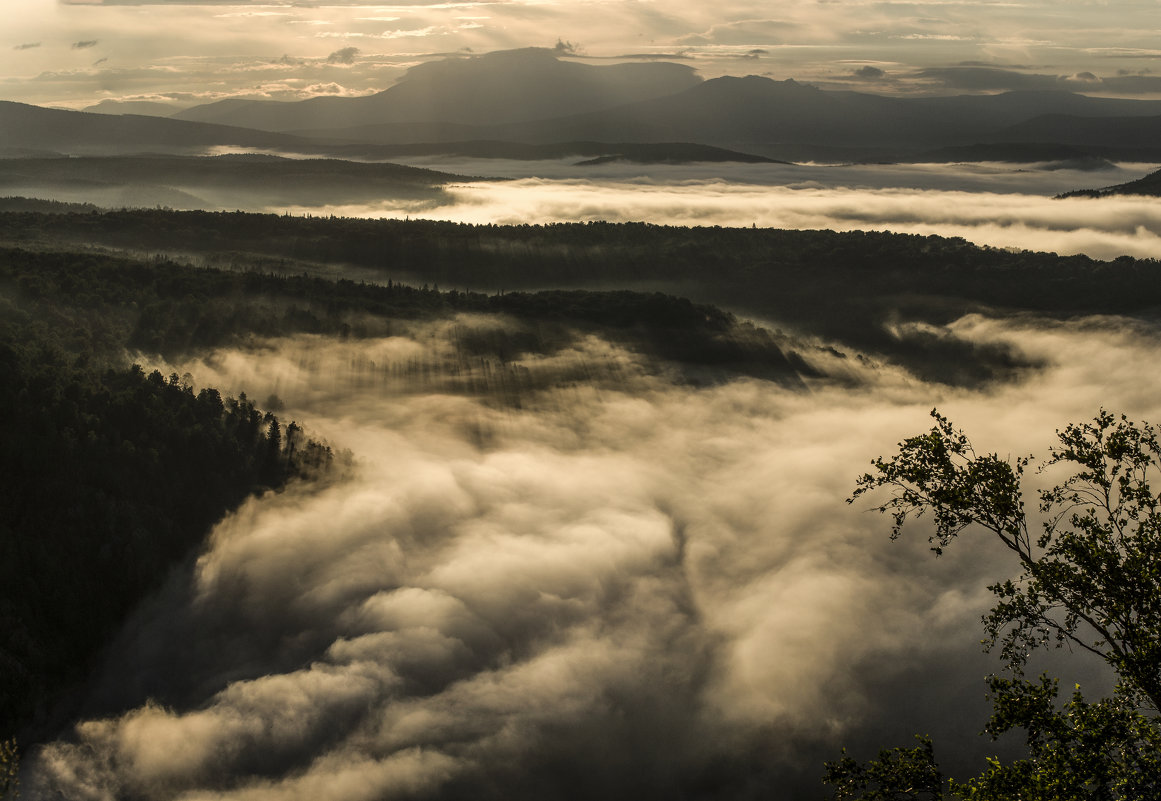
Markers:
(988, 204)
(618, 586)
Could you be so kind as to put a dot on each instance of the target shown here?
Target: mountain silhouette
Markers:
(25, 127)
(502, 87)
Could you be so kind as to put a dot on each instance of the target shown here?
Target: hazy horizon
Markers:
(76, 53)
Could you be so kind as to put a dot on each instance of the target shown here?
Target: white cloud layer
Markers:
(995, 205)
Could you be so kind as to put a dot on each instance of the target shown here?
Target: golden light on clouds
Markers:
(218, 41)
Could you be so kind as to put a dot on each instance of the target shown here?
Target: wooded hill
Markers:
(848, 288)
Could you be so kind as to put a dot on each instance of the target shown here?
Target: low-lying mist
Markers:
(994, 204)
(606, 584)
(1001, 205)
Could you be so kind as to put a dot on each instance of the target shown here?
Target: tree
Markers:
(9, 770)
(1089, 580)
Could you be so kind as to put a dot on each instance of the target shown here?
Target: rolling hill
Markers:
(26, 127)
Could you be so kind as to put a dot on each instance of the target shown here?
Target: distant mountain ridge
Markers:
(26, 127)
(497, 88)
(530, 96)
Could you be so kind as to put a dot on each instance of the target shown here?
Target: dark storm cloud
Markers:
(869, 73)
(85, 45)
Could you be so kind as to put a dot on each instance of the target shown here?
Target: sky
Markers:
(75, 53)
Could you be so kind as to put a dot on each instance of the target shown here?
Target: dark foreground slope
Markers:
(111, 477)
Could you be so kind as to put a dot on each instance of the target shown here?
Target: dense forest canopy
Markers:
(847, 287)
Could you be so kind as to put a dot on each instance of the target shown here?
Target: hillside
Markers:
(1136, 138)
(841, 287)
(1149, 186)
(232, 181)
(81, 133)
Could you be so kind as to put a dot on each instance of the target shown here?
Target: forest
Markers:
(115, 473)
(844, 287)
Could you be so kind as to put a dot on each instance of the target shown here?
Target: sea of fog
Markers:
(609, 585)
(1000, 205)
(993, 204)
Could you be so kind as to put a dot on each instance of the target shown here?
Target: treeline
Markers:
(845, 287)
(103, 303)
(110, 477)
(489, 257)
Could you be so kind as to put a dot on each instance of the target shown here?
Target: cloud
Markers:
(679, 56)
(742, 32)
(621, 582)
(345, 55)
(869, 73)
(989, 204)
(84, 45)
(990, 78)
(27, 46)
(1133, 84)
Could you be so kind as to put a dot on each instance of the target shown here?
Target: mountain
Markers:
(502, 87)
(1012, 108)
(636, 152)
(1124, 137)
(227, 182)
(25, 127)
(145, 107)
(1150, 186)
(758, 114)
(727, 112)
(532, 96)
(1050, 155)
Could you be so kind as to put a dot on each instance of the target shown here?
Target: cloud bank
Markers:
(1007, 206)
(618, 585)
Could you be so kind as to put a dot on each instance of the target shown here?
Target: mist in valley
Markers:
(573, 574)
(992, 204)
